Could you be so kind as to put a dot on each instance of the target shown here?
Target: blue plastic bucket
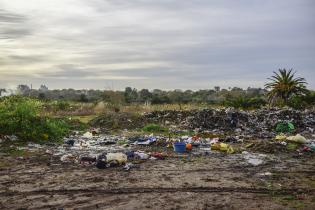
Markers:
(179, 147)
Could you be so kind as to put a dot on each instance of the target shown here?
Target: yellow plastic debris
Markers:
(230, 150)
(223, 147)
(297, 138)
(215, 146)
(281, 137)
(249, 145)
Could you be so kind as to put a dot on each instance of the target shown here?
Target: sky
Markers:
(163, 44)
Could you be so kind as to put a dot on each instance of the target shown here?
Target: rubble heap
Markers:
(229, 119)
(259, 122)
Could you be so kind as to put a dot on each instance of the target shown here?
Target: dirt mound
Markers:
(118, 121)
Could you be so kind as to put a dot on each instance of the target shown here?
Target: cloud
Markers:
(69, 71)
(12, 25)
(160, 44)
(7, 17)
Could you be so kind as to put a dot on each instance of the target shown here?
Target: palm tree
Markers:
(284, 84)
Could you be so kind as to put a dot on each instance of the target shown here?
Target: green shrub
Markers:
(20, 116)
(245, 103)
(302, 102)
(62, 105)
(154, 128)
(284, 127)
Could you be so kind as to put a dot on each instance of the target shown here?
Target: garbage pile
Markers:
(259, 123)
(105, 151)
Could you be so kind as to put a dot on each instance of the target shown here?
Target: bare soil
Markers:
(216, 181)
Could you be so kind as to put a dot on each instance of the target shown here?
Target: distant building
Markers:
(23, 89)
(43, 88)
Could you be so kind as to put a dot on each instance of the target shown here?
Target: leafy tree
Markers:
(41, 96)
(145, 95)
(160, 99)
(131, 95)
(83, 98)
(177, 96)
(284, 85)
(23, 89)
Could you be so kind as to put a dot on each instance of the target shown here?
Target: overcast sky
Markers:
(151, 44)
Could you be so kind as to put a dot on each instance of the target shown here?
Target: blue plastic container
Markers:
(179, 147)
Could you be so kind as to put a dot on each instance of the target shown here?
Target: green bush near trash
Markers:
(22, 117)
(285, 127)
(245, 103)
(154, 128)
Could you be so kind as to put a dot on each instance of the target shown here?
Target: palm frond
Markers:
(283, 85)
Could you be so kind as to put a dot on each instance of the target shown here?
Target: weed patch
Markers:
(154, 128)
(20, 116)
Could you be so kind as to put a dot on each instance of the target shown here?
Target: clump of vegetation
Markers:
(20, 116)
(302, 102)
(120, 120)
(154, 128)
(284, 85)
(245, 103)
(284, 127)
(55, 106)
(62, 105)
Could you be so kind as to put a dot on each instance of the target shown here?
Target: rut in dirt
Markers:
(284, 191)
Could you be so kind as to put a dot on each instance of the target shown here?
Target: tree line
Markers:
(282, 89)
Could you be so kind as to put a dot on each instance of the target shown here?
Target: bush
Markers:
(21, 117)
(302, 102)
(62, 105)
(154, 128)
(245, 103)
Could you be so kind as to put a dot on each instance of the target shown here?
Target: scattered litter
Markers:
(179, 147)
(141, 155)
(87, 160)
(188, 146)
(119, 158)
(103, 151)
(281, 137)
(68, 158)
(222, 147)
(88, 135)
(70, 142)
(265, 174)
(158, 155)
(129, 166)
(146, 140)
(297, 138)
(253, 159)
(292, 146)
(107, 160)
